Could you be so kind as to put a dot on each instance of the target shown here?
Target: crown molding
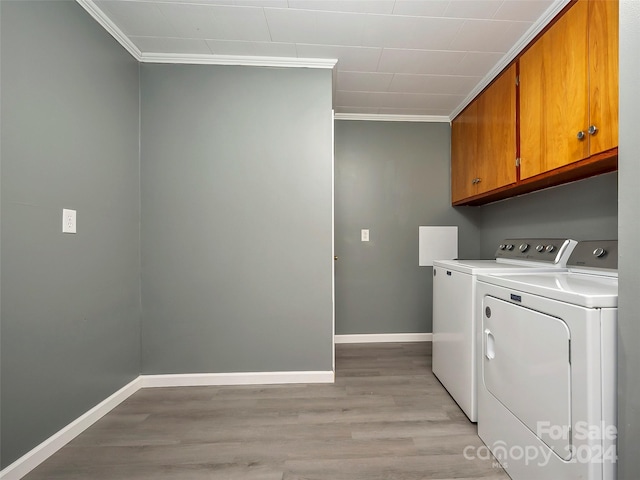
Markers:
(100, 17)
(554, 9)
(374, 117)
(247, 61)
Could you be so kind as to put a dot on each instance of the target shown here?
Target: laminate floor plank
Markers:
(417, 467)
(292, 432)
(386, 417)
(415, 430)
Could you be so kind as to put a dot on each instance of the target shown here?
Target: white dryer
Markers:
(547, 374)
(454, 315)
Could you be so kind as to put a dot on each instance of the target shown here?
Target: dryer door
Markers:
(526, 367)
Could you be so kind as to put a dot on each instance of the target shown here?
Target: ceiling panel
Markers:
(364, 81)
(473, 8)
(229, 3)
(312, 27)
(414, 100)
(447, 84)
(356, 110)
(434, 8)
(354, 6)
(476, 63)
(399, 57)
(498, 36)
(354, 99)
(420, 61)
(422, 33)
(252, 49)
(440, 112)
(217, 22)
(523, 10)
(171, 45)
(138, 18)
(356, 59)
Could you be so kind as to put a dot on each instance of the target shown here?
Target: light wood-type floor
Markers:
(385, 418)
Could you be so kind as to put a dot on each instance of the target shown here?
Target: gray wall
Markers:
(236, 175)
(391, 177)
(629, 233)
(70, 303)
(584, 210)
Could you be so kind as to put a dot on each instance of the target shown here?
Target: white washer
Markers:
(454, 317)
(546, 395)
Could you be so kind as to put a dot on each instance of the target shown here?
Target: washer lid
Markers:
(591, 291)
(475, 267)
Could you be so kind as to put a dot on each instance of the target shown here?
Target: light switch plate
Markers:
(68, 221)
(364, 234)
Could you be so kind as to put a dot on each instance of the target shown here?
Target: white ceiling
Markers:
(394, 57)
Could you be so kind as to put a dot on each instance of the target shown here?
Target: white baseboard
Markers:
(240, 378)
(39, 454)
(384, 338)
(51, 445)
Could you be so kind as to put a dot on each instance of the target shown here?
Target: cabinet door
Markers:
(464, 148)
(554, 95)
(603, 74)
(497, 133)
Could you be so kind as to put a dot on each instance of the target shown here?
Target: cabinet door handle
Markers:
(592, 129)
(580, 135)
(478, 180)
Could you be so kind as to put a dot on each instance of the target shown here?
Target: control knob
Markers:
(524, 247)
(509, 247)
(502, 246)
(549, 248)
(540, 248)
(599, 252)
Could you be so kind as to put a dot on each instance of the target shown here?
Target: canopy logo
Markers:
(585, 443)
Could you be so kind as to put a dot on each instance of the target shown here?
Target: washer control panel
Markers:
(551, 250)
(595, 254)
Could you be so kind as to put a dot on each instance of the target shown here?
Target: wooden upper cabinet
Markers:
(554, 96)
(566, 105)
(569, 89)
(483, 140)
(464, 148)
(603, 74)
(496, 165)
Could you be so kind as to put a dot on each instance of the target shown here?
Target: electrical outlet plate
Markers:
(68, 221)
(364, 234)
